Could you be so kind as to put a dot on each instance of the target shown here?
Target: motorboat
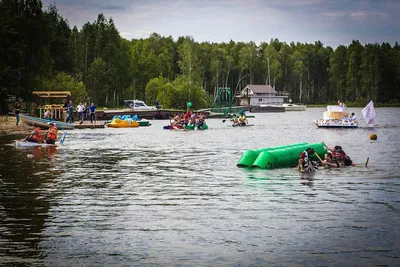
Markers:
(336, 117)
(294, 107)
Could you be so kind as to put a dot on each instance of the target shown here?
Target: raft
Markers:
(187, 127)
(279, 156)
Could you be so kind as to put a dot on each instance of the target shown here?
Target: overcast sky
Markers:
(333, 22)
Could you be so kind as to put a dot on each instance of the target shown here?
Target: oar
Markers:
(366, 162)
(325, 145)
(318, 156)
(63, 138)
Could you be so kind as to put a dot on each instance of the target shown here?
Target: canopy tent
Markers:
(52, 94)
(56, 110)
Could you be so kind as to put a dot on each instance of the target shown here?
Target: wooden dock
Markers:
(89, 125)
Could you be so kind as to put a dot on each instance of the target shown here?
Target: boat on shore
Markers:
(294, 107)
(266, 108)
(43, 123)
(336, 117)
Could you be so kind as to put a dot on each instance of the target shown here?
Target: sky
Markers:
(333, 22)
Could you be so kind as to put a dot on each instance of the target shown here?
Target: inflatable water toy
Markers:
(279, 156)
(118, 123)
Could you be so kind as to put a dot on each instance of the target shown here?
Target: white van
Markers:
(138, 105)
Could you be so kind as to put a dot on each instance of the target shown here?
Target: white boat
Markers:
(336, 117)
(32, 144)
(294, 107)
(139, 105)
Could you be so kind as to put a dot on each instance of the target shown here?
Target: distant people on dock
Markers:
(92, 110)
(80, 108)
(52, 133)
(85, 112)
(340, 103)
(35, 136)
(70, 117)
(156, 103)
(17, 110)
(47, 114)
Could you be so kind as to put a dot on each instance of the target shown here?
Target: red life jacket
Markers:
(37, 135)
(52, 133)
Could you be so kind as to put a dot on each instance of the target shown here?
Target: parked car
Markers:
(138, 105)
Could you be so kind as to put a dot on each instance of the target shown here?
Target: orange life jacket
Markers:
(52, 133)
(37, 135)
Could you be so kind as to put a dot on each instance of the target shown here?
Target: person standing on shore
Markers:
(17, 110)
(92, 109)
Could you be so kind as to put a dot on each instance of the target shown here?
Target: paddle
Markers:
(318, 156)
(63, 138)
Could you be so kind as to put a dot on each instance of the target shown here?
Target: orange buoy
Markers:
(373, 136)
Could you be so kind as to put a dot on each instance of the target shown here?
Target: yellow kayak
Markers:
(118, 123)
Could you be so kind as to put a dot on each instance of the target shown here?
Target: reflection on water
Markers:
(159, 197)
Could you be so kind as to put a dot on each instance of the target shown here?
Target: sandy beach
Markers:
(7, 126)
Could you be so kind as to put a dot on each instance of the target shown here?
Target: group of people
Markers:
(36, 135)
(84, 112)
(188, 118)
(239, 121)
(334, 158)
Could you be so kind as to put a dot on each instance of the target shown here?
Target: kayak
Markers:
(32, 144)
(238, 125)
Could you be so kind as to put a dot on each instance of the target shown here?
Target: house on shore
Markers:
(256, 95)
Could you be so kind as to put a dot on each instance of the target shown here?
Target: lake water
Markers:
(148, 196)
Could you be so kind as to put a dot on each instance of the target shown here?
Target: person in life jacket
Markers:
(35, 136)
(52, 133)
(243, 119)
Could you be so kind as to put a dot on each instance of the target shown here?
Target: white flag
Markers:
(369, 114)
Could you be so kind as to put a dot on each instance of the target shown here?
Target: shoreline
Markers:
(8, 127)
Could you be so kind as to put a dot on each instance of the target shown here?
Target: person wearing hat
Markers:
(52, 133)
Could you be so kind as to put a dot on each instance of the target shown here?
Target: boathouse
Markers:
(256, 95)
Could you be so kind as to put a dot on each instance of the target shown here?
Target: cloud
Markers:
(333, 14)
(363, 15)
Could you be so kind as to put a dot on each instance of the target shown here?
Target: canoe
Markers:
(42, 123)
(32, 144)
(238, 125)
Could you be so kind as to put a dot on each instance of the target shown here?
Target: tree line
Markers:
(40, 51)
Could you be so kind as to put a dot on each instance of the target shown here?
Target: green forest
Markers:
(39, 51)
